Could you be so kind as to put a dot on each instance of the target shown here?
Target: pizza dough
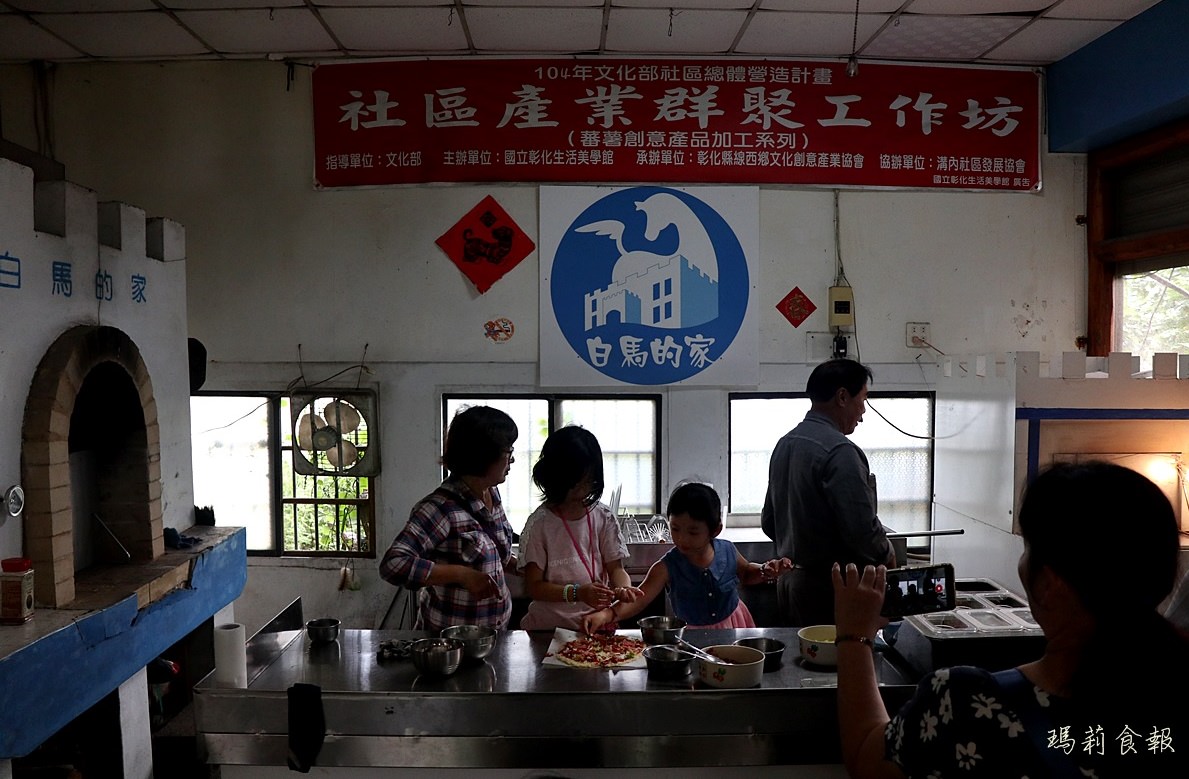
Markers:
(602, 650)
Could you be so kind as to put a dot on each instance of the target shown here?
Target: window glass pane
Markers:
(756, 425)
(902, 464)
(626, 430)
(229, 438)
(1155, 313)
(531, 416)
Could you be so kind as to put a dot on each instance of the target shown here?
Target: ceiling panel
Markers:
(86, 6)
(1119, 10)
(136, 34)
(273, 30)
(190, 5)
(519, 29)
(805, 34)
(1048, 40)
(977, 7)
(722, 5)
(659, 30)
(942, 37)
(833, 6)
(21, 40)
(973, 31)
(392, 30)
(536, 3)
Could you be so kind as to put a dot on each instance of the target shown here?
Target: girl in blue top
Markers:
(701, 573)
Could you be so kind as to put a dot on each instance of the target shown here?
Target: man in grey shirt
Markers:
(820, 506)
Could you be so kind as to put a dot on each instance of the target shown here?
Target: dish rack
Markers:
(644, 530)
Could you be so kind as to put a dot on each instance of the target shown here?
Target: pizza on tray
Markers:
(602, 650)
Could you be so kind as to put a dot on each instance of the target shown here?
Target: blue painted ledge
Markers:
(46, 684)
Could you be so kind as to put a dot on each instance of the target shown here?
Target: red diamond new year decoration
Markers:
(796, 307)
(485, 244)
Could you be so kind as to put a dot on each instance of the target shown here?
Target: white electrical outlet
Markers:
(916, 335)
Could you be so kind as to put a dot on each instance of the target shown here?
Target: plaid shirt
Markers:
(444, 530)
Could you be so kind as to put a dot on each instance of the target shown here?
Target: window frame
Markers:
(930, 396)
(1108, 258)
(553, 417)
(277, 502)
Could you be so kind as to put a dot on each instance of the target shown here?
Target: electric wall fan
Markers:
(335, 433)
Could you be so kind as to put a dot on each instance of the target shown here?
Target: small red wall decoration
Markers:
(485, 244)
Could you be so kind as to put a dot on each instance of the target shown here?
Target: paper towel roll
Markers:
(231, 657)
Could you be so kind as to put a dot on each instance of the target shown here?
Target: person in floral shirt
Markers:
(1108, 698)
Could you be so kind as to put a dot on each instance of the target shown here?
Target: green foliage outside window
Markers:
(1155, 313)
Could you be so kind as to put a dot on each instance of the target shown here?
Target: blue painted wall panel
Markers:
(1134, 78)
(46, 685)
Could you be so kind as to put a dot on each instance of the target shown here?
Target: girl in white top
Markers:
(571, 549)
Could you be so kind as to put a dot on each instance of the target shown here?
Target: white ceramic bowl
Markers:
(817, 645)
(743, 667)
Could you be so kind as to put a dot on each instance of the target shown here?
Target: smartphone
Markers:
(919, 589)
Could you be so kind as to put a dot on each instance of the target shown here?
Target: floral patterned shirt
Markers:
(964, 722)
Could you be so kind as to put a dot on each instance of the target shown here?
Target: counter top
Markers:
(512, 711)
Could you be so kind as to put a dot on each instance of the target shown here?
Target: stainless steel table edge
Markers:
(644, 751)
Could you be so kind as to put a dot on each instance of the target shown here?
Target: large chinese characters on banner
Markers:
(676, 121)
(649, 286)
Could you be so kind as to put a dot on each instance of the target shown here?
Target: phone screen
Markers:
(919, 590)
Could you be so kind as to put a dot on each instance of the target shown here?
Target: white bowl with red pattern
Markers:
(741, 667)
(817, 645)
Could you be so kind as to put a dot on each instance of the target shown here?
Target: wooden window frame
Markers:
(1105, 255)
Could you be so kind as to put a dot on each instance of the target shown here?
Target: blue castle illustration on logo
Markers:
(637, 290)
(680, 290)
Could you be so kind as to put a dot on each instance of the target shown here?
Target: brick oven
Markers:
(91, 460)
(95, 427)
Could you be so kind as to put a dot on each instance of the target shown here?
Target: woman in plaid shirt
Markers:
(458, 543)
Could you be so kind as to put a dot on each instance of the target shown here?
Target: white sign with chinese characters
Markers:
(649, 286)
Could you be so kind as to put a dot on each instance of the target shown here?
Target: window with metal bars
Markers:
(243, 469)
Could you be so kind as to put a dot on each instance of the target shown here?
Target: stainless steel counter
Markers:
(512, 711)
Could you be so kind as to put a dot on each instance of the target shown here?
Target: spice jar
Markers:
(16, 590)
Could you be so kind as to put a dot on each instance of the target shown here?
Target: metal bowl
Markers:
(773, 650)
(667, 662)
(477, 640)
(660, 629)
(325, 629)
(437, 656)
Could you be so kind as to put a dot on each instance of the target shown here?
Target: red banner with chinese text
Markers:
(676, 121)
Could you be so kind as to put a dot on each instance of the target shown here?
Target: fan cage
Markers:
(324, 448)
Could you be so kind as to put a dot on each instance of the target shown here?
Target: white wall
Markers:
(32, 317)
(226, 149)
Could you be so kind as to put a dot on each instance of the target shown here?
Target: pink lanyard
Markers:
(590, 529)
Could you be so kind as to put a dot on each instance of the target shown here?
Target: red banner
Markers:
(676, 121)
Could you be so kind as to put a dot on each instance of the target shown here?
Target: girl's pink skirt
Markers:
(740, 618)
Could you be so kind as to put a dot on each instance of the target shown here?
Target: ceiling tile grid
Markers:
(1025, 32)
(784, 34)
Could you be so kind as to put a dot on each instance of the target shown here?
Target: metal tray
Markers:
(991, 620)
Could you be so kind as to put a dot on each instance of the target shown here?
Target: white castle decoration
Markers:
(673, 291)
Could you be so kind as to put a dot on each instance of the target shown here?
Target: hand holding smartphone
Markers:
(918, 589)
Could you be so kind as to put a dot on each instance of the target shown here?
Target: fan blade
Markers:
(349, 455)
(342, 415)
(305, 430)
